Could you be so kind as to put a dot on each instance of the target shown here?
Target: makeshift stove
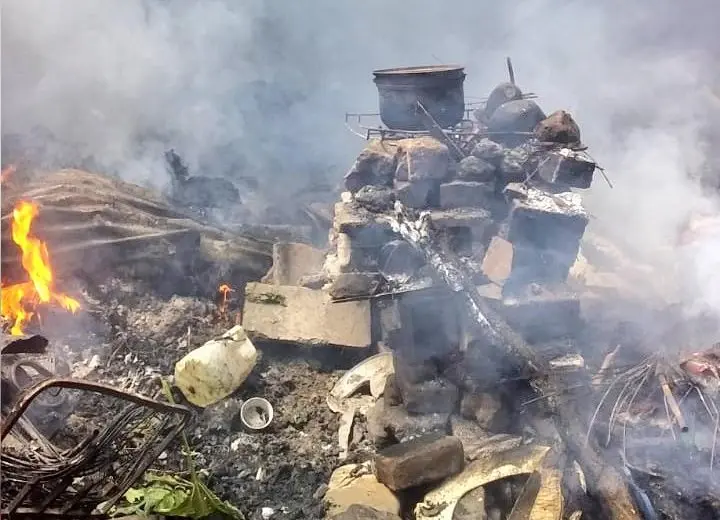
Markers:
(503, 176)
(451, 250)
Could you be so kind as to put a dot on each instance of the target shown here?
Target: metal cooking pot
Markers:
(438, 87)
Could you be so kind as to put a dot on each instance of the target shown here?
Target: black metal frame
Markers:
(41, 479)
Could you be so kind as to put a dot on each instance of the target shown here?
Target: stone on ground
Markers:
(305, 316)
(354, 485)
(423, 460)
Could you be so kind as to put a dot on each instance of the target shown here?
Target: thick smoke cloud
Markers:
(253, 88)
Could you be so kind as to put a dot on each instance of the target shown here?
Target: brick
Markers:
(292, 261)
(351, 218)
(474, 218)
(352, 486)
(419, 194)
(434, 396)
(477, 221)
(468, 194)
(348, 285)
(544, 316)
(394, 324)
(422, 158)
(313, 281)
(546, 221)
(388, 423)
(469, 432)
(305, 316)
(572, 169)
(375, 165)
(391, 394)
(362, 512)
(423, 460)
(540, 266)
(497, 262)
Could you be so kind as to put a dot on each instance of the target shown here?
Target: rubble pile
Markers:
(453, 258)
(507, 206)
(443, 358)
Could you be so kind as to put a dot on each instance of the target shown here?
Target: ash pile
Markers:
(459, 350)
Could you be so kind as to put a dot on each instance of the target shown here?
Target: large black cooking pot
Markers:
(438, 87)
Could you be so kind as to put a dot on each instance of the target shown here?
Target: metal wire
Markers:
(40, 477)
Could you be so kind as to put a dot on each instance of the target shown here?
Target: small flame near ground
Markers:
(224, 291)
(20, 301)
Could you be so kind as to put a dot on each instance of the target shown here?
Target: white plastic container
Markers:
(214, 371)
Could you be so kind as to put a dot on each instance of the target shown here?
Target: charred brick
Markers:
(348, 285)
(427, 459)
(434, 396)
(543, 317)
(388, 424)
(375, 165)
(375, 198)
(464, 194)
(567, 168)
(399, 259)
(418, 194)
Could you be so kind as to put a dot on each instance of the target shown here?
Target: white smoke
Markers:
(252, 88)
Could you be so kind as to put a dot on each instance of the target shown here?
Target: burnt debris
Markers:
(448, 352)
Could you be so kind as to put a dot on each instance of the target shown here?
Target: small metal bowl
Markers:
(256, 413)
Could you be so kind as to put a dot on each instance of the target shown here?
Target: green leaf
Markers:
(153, 496)
(171, 502)
(173, 495)
(134, 495)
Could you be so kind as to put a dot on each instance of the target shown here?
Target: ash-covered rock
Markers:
(488, 151)
(375, 198)
(376, 165)
(474, 168)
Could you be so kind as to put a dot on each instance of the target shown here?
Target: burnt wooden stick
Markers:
(607, 363)
(672, 403)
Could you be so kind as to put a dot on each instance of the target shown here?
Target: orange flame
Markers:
(19, 301)
(224, 289)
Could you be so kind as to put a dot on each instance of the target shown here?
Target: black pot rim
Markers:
(422, 70)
